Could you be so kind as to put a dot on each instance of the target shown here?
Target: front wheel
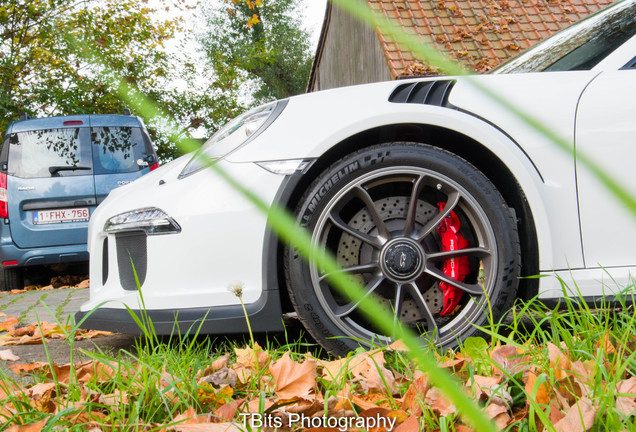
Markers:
(421, 230)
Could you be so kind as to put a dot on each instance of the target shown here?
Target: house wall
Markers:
(350, 54)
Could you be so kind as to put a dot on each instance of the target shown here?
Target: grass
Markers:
(158, 382)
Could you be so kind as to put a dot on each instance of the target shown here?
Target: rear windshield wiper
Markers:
(54, 169)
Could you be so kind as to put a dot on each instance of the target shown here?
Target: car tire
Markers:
(13, 278)
(360, 210)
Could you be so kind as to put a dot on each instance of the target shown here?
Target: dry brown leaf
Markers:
(220, 378)
(368, 369)
(454, 364)
(116, 398)
(243, 374)
(626, 405)
(439, 403)
(28, 367)
(509, 359)
(378, 413)
(208, 427)
(370, 400)
(23, 331)
(555, 414)
(543, 390)
(253, 405)
(605, 344)
(293, 379)
(333, 370)
(228, 411)
(34, 427)
(414, 396)
(250, 358)
(579, 418)
(41, 396)
(411, 424)
(498, 414)
(8, 355)
(221, 362)
(398, 345)
(86, 283)
(91, 334)
(559, 362)
(9, 323)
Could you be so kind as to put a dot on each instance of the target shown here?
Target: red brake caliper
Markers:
(457, 268)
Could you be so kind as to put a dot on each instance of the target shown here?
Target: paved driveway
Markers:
(56, 305)
(52, 305)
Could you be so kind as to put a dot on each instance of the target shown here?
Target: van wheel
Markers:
(13, 279)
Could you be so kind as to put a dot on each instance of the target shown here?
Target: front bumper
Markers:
(184, 277)
(264, 316)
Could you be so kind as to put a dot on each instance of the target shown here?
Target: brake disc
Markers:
(352, 251)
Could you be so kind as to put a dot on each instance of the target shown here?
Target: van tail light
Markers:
(4, 205)
(154, 166)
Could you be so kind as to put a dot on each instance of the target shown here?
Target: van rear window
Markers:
(118, 149)
(49, 153)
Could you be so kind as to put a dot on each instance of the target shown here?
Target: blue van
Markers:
(53, 173)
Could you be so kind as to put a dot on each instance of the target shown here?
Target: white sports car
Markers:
(427, 192)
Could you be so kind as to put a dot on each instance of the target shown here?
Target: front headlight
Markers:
(151, 220)
(234, 134)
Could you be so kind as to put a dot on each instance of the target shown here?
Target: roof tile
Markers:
(482, 33)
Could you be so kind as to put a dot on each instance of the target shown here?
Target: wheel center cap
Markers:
(402, 259)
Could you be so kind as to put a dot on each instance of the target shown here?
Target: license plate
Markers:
(60, 216)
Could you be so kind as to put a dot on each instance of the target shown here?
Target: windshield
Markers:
(581, 46)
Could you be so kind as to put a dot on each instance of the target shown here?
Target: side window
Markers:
(118, 149)
(49, 153)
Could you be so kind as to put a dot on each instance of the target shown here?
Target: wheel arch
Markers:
(460, 144)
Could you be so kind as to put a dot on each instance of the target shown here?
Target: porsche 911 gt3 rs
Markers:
(428, 193)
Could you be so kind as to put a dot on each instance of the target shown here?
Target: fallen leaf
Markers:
(27, 330)
(41, 396)
(228, 411)
(398, 345)
(83, 284)
(333, 370)
(370, 400)
(28, 367)
(414, 396)
(368, 369)
(220, 378)
(559, 362)
(251, 358)
(293, 379)
(411, 424)
(626, 404)
(555, 414)
(9, 323)
(439, 403)
(579, 418)
(34, 427)
(221, 362)
(8, 355)
(508, 359)
(605, 344)
(542, 392)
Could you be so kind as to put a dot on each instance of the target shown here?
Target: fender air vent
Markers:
(425, 92)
